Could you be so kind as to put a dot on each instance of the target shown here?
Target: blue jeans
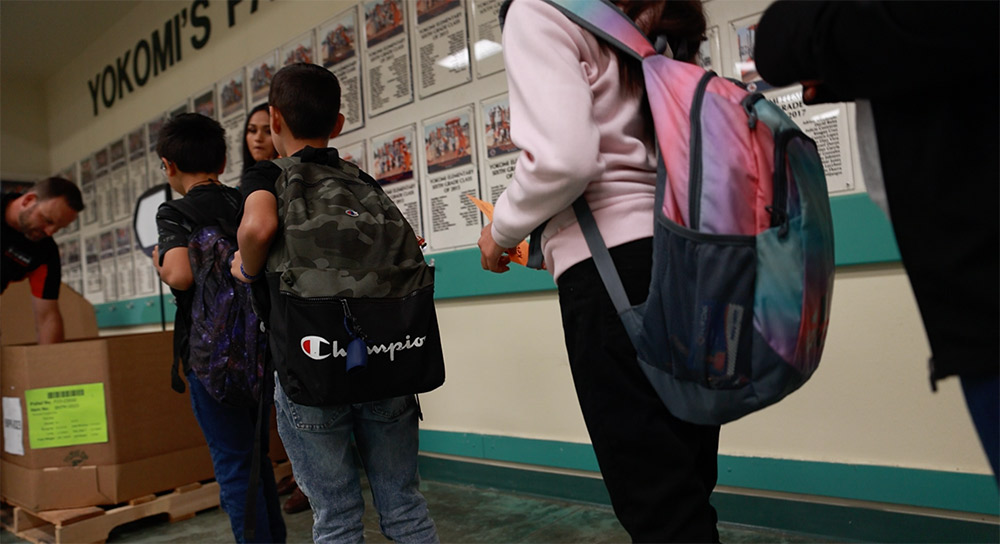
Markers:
(318, 443)
(230, 435)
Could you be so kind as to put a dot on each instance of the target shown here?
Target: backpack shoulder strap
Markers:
(604, 20)
(286, 162)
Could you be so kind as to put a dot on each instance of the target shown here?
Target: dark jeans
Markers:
(230, 435)
(982, 396)
(659, 470)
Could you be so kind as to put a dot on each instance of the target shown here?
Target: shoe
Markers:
(298, 502)
(286, 485)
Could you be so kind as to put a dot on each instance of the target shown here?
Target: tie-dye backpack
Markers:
(743, 259)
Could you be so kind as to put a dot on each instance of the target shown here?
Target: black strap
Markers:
(176, 383)
(536, 259)
(602, 258)
(250, 514)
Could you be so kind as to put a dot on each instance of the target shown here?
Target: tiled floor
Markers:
(462, 513)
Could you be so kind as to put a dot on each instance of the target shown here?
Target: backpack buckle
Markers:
(748, 106)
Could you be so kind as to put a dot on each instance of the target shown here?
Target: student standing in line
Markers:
(927, 117)
(257, 146)
(305, 114)
(28, 251)
(578, 113)
(192, 150)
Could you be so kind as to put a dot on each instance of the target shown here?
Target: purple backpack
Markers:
(227, 342)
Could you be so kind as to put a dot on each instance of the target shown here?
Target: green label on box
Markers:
(66, 416)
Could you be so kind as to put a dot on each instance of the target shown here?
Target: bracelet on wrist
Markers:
(248, 276)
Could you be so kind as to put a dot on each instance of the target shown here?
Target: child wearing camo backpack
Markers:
(305, 113)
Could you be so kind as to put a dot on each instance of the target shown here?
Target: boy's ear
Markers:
(171, 168)
(223, 167)
(275, 117)
(338, 127)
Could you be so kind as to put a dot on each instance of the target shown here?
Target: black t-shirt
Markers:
(23, 258)
(261, 176)
(176, 221)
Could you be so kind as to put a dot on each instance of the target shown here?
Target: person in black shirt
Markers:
(929, 158)
(192, 151)
(28, 250)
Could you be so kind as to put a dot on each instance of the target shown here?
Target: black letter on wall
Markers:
(94, 86)
(140, 80)
(177, 33)
(200, 21)
(231, 8)
(163, 52)
(121, 64)
(108, 71)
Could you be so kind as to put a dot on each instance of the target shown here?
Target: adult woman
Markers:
(257, 144)
(579, 115)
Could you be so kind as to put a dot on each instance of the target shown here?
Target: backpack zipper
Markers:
(779, 206)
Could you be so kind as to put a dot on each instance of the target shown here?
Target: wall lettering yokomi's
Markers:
(153, 56)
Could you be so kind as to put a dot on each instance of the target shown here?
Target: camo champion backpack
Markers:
(743, 261)
(352, 315)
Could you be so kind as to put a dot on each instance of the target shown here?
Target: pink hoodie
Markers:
(578, 135)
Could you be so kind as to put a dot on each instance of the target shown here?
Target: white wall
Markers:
(507, 372)
(868, 403)
(24, 145)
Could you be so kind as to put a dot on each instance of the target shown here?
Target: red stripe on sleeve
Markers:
(37, 279)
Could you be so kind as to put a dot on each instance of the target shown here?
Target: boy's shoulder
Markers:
(327, 157)
(206, 206)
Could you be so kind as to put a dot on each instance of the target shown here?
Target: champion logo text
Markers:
(319, 348)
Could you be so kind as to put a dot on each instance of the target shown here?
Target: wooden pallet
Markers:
(94, 524)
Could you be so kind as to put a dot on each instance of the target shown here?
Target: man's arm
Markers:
(48, 320)
(256, 232)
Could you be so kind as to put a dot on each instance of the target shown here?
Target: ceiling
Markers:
(39, 37)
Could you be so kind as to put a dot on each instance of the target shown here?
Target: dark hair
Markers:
(308, 97)
(248, 159)
(193, 142)
(680, 22)
(55, 187)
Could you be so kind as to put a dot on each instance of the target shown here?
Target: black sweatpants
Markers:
(659, 470)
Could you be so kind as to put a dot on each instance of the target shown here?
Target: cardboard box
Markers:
(17, 317)
(152, 442)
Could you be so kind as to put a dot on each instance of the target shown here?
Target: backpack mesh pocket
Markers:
(704, 299)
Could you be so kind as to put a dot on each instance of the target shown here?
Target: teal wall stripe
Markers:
(862, 235)
(548, 484)
(136, 311)
(915, 487)
(974, 493)
(861, 232)
(459, 274)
